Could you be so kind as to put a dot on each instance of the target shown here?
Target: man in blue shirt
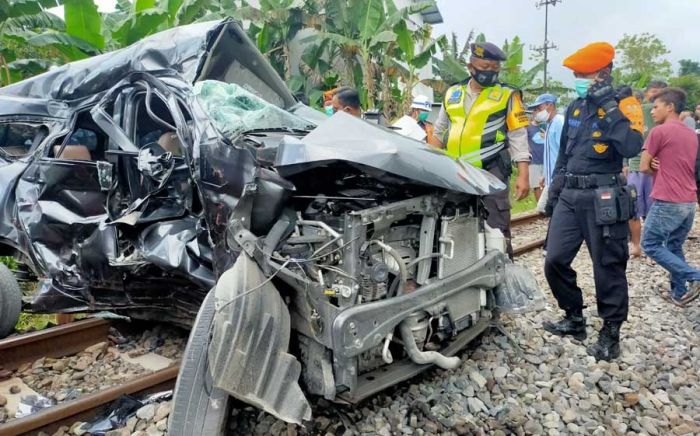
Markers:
(536, 145)
(544, 110)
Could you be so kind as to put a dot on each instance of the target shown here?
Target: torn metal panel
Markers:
(380, 153)
(61, 209)
(248, 351)
(179, 245)
(9, 174)
(216, 50)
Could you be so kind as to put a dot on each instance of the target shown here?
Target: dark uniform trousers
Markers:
(498, 207)
(573, 222)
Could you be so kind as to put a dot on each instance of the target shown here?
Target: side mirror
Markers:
(105, 174)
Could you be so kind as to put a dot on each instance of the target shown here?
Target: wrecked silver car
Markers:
(179, 180)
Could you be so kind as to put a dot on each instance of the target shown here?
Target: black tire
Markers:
(198, 408)
(10, 301)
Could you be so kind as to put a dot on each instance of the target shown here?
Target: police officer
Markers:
(484, 123)
(589, 201)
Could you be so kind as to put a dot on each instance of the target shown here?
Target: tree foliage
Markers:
(689, 68)
(640, 59)
(315, 45)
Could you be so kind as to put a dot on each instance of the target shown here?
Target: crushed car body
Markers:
(343, 257)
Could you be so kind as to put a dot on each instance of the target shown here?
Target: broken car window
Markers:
(85, 142)
(16, 139)
(233, 110)
(148, 130)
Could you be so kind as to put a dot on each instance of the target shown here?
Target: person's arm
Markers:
(518, 147)
(440, 128)
(645, 163)
(619, 131)
(562, 158)
(649, 163)
(555, 133)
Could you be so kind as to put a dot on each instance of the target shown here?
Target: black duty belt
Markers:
(590, 181)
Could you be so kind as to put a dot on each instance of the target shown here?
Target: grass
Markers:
(526, 204)
(34, 321)
(9, 262)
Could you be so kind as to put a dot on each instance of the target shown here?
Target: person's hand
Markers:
(654, 164)
(522, 187)
(625, 170)
(541, 183)
(555, 189)
(624, 92)
(602, 94)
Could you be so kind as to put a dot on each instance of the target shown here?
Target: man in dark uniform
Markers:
(589, 202)
(483, 123)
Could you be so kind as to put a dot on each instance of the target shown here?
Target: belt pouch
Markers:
(605, 205)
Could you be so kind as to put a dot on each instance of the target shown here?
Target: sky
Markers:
(575, 23)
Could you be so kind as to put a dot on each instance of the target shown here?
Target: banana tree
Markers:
(360, 31)
(415, 49)
(19, 21)
(273, 26)
(512, 71)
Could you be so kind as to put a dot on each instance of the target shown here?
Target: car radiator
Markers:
(461, 244)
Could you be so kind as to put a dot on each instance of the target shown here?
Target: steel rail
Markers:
(528, 247)
(88, 406)
(526, 218)
(59, 341)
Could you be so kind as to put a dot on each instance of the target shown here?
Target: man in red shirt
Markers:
(669, 155)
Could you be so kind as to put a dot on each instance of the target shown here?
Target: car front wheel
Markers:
(198, 407)
(10, 301)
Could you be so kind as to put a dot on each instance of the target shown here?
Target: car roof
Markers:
(181, 50)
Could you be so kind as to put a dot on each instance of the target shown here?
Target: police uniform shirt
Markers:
(590, 146)
(517, 138)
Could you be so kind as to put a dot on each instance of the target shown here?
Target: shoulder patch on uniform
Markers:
(574, 123)
(455, 97)
(576, 113)
(600, 148)
(601, 113)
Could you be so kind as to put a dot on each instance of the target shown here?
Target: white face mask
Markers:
(542, 116)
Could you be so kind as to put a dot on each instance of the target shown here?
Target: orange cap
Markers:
(591, 58)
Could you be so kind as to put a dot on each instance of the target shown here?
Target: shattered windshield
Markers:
(233, 110)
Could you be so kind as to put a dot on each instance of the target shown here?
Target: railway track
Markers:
(523, 220)
(63, 341)
(66, 340)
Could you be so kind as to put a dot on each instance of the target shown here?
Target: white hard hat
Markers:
(421, 102)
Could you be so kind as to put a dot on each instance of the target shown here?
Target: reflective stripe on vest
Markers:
(477, 136)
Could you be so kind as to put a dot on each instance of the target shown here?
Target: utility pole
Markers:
(548, 45)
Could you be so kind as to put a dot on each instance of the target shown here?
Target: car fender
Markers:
(248, 355)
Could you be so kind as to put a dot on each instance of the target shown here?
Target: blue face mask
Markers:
(582, 86)
(423, 116)
(329, 110)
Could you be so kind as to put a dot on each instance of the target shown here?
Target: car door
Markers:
(61, 208)
(19, 138)
(155, 202)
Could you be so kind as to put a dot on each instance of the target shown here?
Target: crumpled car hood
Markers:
(377, 150)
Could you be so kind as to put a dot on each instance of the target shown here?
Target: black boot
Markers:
(573, 324)
(608, 345)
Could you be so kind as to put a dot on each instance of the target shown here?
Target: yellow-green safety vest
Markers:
(478, 136)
